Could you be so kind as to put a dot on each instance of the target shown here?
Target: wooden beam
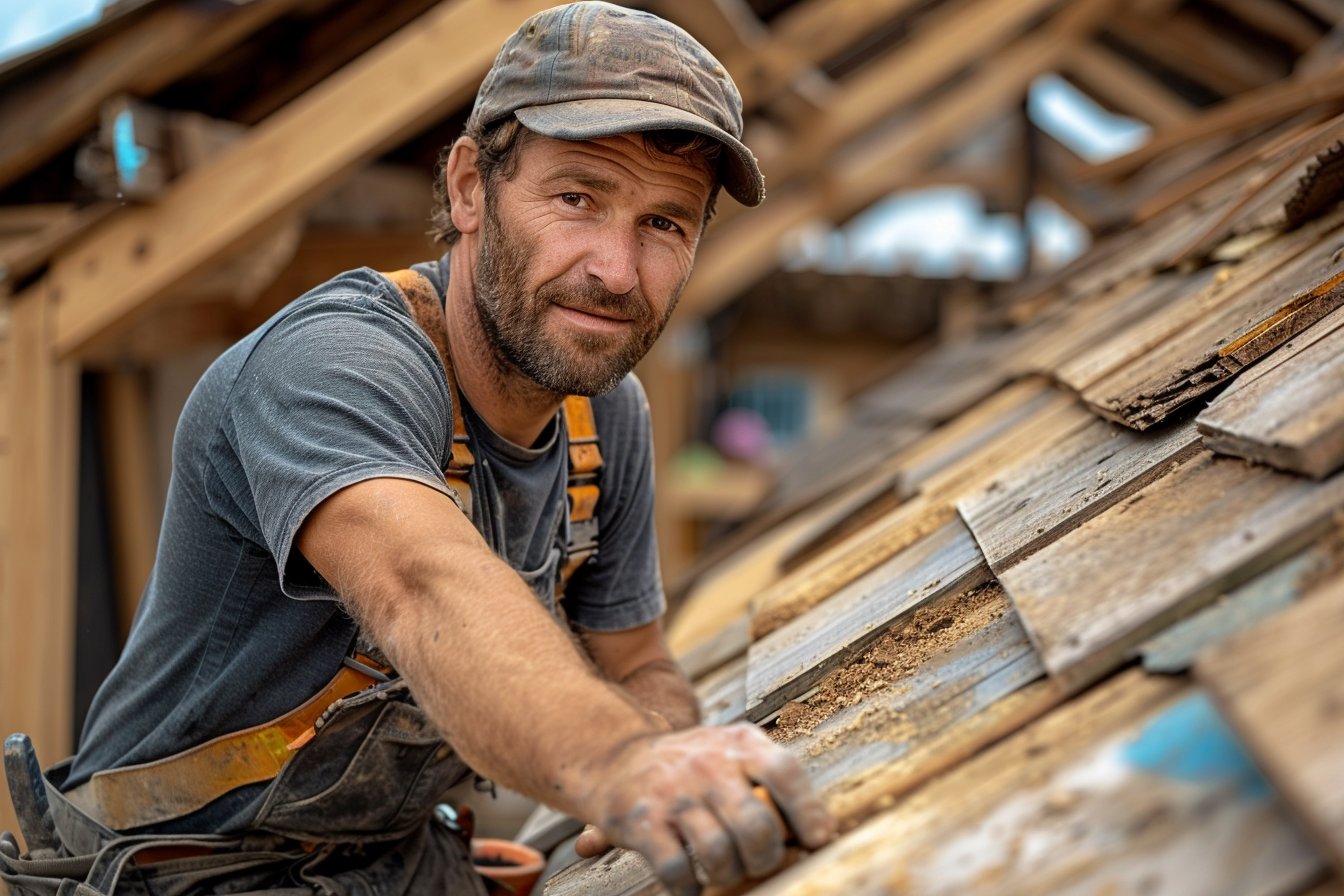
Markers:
(1262, 106)
(57, 104)
(806, 35)
(1118, 82)
(746, 248)
(1278, 20)
(951, 42)
(133, 506)
(37, 605)
(128, 266)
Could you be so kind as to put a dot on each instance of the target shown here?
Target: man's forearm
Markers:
(660, 687)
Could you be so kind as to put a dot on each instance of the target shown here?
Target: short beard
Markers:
(514, 323)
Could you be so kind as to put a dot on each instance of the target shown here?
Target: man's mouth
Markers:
(590, 319)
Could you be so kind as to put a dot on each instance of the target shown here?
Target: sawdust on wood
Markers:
(896, 655)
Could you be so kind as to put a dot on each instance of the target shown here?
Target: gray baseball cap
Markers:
(594, 69)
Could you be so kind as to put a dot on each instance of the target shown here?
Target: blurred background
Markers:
(174, 171)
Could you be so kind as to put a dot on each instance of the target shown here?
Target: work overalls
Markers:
(351, 813)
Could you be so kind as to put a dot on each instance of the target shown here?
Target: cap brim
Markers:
(586, 119)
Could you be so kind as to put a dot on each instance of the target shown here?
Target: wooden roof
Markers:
(1085, 636)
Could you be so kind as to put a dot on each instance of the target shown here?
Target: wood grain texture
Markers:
(787, 662)
(964, 454)
(37, 579)
(1222, 338)
(1291, 417)
(898, 718)
(1111, 793)
(1093, 596)
(1281, 685)
(1146, 335)
(1064, 484)
(1174, 650)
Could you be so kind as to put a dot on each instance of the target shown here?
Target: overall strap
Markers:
(582, 490)
(426, 307)
(585, 454)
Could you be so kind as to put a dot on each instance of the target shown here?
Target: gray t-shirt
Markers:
(235, 627)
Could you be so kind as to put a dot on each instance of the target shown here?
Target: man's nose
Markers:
(615, 261)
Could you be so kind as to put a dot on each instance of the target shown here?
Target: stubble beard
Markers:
(515, 323)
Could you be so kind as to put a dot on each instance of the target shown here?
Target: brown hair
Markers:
(497, 159)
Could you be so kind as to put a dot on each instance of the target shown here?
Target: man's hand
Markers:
(689, 792)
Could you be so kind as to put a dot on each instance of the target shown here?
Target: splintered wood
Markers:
(1211, 337)
(1281, 685)
(1111, 793)
(1095, 594)
(1291, 416)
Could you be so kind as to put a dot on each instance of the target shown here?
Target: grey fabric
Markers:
(235, 627)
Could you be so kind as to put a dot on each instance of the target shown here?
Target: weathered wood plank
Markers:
(1066, 483)
(723, 693)
(1281, 685)
(952, 659)
(1148, 334)
(1113, 793)
(1229, 336)
(1094, 595)
(1041, 418)
(1291, 417)
(1175, 649)
(728, 643)
(787, 662)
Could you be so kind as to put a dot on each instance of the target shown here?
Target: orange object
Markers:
(511, 867)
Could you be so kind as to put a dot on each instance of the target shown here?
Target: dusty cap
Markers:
(594, 69)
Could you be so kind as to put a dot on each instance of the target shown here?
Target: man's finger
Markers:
(713, 845)
(592, 842)
(788, 785)
(756, 830)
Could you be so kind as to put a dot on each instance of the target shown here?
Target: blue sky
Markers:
(28, 24)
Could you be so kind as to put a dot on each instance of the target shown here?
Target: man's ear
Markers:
(463, 180)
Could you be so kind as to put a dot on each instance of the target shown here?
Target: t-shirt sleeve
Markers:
(336, 394)
(622, 587)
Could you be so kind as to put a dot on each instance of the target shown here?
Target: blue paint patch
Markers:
(129, 156)
(1191, 742)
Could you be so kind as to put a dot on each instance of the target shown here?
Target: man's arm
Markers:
(513, 695)
(639, 661)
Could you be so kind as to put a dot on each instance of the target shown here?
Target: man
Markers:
(310, 531)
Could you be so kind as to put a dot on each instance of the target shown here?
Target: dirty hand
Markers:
(689, 792)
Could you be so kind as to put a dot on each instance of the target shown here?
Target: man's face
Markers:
(583, 254)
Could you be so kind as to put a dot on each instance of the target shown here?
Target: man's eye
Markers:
(659, 223)
(574, 199)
